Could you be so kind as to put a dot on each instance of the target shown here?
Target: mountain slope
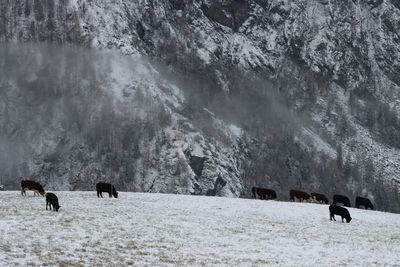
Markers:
(310, 88)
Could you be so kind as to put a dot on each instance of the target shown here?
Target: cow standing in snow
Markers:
(52, 200)
(320, 198)
(300, 195)
(341, 199)
(263, 193)
(106, 187)
(337, 210)
(362, 201)
(31, 185)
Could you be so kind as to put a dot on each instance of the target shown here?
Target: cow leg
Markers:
(98, 194)
(342, 219)
(109, 194)
(46, 204)
(101, 194)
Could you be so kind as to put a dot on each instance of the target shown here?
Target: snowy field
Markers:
(176, 230)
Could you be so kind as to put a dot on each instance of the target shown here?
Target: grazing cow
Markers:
(31, 185)
(106, 187)
(52, 200)
(337, 210)
(320, 198)
(263, 193)
(302, 196)
(362, 201)
(341, 199)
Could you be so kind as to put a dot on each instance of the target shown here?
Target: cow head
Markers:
(56, 207)
(39, 189)
(348, 219)
(115, 193)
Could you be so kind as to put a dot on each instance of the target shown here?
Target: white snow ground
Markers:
(168, 230)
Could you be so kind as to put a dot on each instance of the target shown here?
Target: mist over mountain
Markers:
(203, 97)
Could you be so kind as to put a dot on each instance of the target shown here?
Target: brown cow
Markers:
(302, 196)
(320, 198)
(31, 185)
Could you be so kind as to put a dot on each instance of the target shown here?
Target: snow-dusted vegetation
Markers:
(170, 230)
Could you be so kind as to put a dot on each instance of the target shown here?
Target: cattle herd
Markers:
(334, 208)
(257, 192)
(52, 199)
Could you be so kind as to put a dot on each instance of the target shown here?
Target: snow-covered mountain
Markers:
(203, 97)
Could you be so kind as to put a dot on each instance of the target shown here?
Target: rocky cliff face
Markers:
(211, 97)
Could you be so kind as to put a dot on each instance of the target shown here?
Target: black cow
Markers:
(293, 194)
(31, 185)
(52, 200)
(362, 201)
(320, 198)
(341, 199)
(337, 210)
(264, 193)
(106, 187)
